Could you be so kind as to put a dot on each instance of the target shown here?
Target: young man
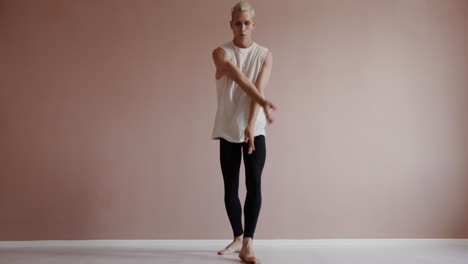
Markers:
(243, 69)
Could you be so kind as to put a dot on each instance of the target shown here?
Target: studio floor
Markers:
(327, 251)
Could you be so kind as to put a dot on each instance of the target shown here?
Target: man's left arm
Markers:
(261, 82)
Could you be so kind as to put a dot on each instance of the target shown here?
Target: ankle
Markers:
(247, 241)
(238, 238)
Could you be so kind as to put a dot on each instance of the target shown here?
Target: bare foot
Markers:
(246, 253)
(233, 247)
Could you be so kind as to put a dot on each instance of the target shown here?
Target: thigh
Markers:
(230, 157)
(255, 162)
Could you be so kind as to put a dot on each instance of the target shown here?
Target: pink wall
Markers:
(106, 110)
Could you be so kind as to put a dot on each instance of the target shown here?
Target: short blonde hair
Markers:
(243, 6)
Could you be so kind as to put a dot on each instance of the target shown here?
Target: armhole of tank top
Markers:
(265, 53)
(221, 79)
(228, 51)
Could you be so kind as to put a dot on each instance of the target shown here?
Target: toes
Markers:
(224, 252)
(227, 251)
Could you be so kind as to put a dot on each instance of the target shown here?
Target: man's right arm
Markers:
(225, 67)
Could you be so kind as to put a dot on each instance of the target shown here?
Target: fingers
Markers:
(251, 146)
(272, 106)
(269, 104)
(268, 116)
(268, 107)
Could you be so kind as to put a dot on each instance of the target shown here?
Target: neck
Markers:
(243, 43)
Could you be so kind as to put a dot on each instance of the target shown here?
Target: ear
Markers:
(230, 24)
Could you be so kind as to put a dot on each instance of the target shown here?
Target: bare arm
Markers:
(261, 82)
(225, 67)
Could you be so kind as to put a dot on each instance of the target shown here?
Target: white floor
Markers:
(331, 251)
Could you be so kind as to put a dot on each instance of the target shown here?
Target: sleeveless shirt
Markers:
(233, 104)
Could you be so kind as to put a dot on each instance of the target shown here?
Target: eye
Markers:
(247, 23)
(238, 24)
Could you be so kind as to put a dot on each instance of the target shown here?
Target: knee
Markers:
(254, 186)
(255, 193)
(231, 197)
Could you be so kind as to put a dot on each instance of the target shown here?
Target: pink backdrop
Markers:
(106, 111)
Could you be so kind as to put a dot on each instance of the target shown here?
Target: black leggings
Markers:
(230, 156)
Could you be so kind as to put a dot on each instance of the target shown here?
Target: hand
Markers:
(249, 137)
(268, 107)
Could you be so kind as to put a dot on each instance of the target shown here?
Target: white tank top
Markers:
(233, 108)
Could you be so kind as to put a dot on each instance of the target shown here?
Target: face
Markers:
(242, 25)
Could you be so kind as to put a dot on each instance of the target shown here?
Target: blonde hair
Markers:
(243, 6)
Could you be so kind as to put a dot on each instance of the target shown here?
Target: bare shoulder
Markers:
(269, 55)
(268, 58)
(219, 58)
(218, 53)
